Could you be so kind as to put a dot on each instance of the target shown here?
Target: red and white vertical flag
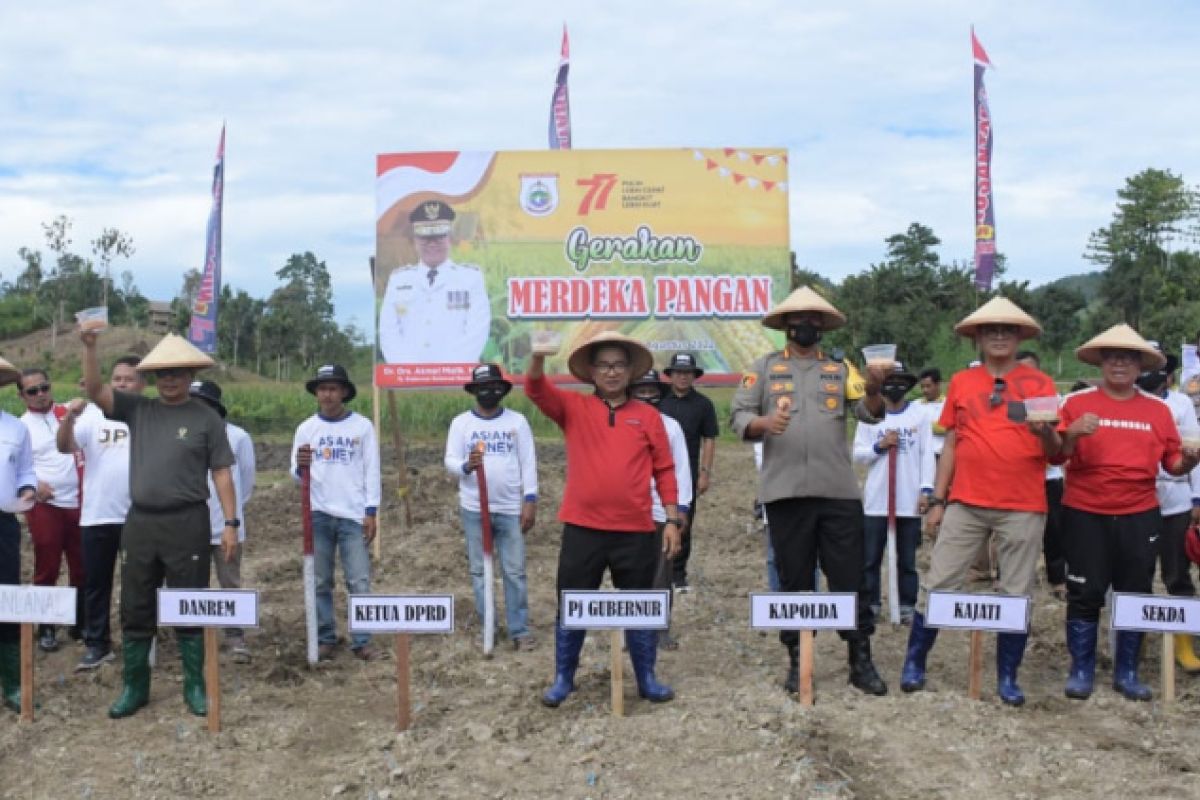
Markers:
(560, 103)
(985, 210)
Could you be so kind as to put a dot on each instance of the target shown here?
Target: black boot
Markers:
(863, 674)
(791, 684)
(10, 675)
(567, 645)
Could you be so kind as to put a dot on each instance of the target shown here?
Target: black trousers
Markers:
(680, 562)
(631, 558)
(101, 543)
(1172, 555)
(10, 566)
(1052, 539)
(157, 547)
(807, 531)
(1103, 551)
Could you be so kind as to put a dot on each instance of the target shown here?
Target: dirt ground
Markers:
(293, 732)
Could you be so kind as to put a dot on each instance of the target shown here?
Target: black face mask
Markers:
(488, 399)
(653, 400)
(894, 393)
(804, 334)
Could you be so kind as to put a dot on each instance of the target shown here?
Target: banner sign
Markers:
(401, 613)
(37, 605)
(637, 610)
(208, 608)
(203, 329)
(684, 250)
(985, 212)
(1155, 613)
(1004, 613)
(803, 611)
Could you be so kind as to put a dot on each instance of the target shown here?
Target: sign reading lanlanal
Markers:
(41, 605)
(1156, 613)
(803, 611)
(1005, 613)
(208, 608)
(632, 610)
(401, 613)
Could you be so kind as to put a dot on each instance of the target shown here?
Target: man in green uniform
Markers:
(175, 441)
(795, 402)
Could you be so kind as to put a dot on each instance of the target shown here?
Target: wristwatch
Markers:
(937, 501)
(233, 523)
(678, 523)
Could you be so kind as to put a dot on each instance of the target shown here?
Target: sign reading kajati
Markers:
(1155, 613)
(629, 610)
(981, 612)
(808, 611)
(378, 613)
(37, 605)
(208, 608)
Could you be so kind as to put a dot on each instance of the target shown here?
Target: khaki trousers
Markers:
(1018, 537)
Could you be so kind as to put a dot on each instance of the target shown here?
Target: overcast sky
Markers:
(110, 113)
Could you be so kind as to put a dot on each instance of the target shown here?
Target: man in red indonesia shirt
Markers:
(614, 446)
(1112, 439)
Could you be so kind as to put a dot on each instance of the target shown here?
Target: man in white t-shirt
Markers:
(54, 518)
(932, 399)
(907, 429)
(510, 465)
(104, 446)
(229, 570)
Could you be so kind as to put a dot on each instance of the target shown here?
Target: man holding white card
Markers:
(18, 482)
(614, 447)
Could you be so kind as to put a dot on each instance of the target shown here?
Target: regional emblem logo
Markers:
(539, 194)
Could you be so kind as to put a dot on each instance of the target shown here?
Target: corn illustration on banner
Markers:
(683, 249)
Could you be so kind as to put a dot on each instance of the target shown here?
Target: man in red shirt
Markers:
(1112, 439)
(993, 467)
(614, 446)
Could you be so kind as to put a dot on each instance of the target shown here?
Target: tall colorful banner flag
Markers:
(203, 330)
(560, 104)
(985, 210)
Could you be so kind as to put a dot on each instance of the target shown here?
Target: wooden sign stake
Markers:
(617, 672)
(975, 679)
(27, 672)
(806, 668)
(1168, 668)
(212, 679)
(403, 678)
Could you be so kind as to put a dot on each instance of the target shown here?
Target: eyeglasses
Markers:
(998, 387)
(33, 391)
(610, 366)
(172, 372)
(998, 331)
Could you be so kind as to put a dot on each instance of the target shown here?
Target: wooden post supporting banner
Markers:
(212, 679)
(377, 545)
(975, 676)
(1168, 668)
(403, 680)
(27, 672)
(617, 672)
(402, 485)
(806, 668)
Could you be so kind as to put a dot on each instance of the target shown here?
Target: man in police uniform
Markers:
(808, 486)
(434, 311)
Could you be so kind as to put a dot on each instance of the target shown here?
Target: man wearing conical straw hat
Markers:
(18, 483)
(795, 402)
(175, 441)
(1113, 439)
(615, 445)
(993, 466)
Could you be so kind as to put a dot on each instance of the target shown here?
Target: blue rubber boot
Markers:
(920, 642)
(1125, 667)
(1081, 644)
(567, 645)
(1010, 649)
(643, 652)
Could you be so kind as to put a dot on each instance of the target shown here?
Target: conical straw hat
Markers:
(1120, 337)
(174, 351)
(8, 373)
(999, 311)
(580, 360)
(804, 299)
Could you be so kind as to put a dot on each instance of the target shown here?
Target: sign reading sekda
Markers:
(682, 249)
